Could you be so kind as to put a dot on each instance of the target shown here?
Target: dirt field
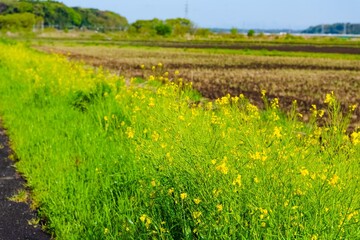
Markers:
(302, 78)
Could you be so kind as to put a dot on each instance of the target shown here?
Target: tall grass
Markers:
(107, 159)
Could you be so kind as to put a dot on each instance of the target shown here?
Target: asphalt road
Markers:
(14, 216)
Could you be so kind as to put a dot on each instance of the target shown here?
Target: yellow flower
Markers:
(151, 102)
(351, 215)
(155, 136)
(106, 231)
(196, 215)
(160, 64)
(237, 181)
(142, 66)
(275, 103)
(355, 138)
(143, 217)
(197, 201)
(277, 132)
(106, 118)
(183, 196)
(219, 207)
(177, 72)
(314, 237)
(334, 180)
(352, 107)
(130, 132)
(330, 98)
(171, 191)
(264, 211)
(153, 183)
(222, 168)
(304, 172)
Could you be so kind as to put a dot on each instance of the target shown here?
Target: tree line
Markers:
(336, 28)
(25, 14)
(30, 14)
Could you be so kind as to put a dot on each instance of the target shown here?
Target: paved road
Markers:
(14, 216)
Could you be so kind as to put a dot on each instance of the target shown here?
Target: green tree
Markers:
(163, 29)
(251, 33)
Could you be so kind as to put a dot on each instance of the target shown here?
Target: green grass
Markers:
(143, 160)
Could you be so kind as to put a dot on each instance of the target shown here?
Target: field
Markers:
(124, 146)
(289, 76)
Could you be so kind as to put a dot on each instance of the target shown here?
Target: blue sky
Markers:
(298, 14)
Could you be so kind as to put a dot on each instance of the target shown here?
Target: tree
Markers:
(163, 29)
(251, 33)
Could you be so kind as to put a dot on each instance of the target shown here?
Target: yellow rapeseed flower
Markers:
(155, 136)
(219, 207)
(314, 237)
(334, 180)
(355, 138)
(171, 191)
(222, 168)
(143, 217)
(330, 98)
(130, 132)
(237, 181)
(277, 132)
(153, 183)
(304, 172)
(197, 201)
(183, 196)
(196, 215)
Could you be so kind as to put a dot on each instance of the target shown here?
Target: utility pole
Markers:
(345, 29)
(186, 9)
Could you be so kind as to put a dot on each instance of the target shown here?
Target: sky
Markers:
(244, 14)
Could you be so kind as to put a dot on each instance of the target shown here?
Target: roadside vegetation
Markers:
(148, 157)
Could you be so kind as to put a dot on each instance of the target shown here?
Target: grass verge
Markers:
(110, 160)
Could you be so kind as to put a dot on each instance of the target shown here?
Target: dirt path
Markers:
(14, 216)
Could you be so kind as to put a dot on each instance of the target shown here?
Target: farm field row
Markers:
(107, 157)
(217, 73)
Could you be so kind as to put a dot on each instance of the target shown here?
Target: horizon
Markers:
(279, 14)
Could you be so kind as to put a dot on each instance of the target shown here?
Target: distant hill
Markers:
(58, 15)
(336, 28)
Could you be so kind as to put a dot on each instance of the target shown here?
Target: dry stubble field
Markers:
(215, 73)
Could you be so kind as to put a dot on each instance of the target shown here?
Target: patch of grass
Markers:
(110, 159)
(22, 196)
